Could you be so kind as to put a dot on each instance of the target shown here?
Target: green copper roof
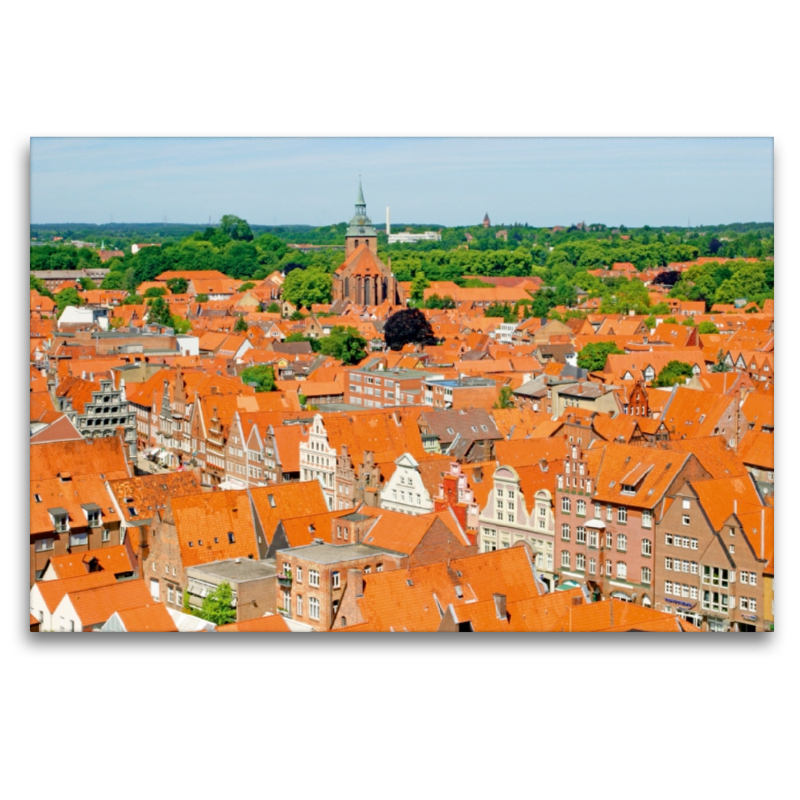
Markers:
(361, 224)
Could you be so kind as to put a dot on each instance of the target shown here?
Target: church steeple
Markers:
(360, 231)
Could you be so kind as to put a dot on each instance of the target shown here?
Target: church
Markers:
(363, 278)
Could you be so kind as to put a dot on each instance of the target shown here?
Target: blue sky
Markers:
(449, 181)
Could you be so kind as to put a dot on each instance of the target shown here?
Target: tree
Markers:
(113, 280)
(87, 284)
(262, 377)
(39, 286)
(155, 291)
(246, 286)
(236, 228)
(133, 299)
(159, 313)
(217, 606)
(675, 372)
(201, 298)
(274, 308)
(67, 297)
(307, 287)
(179, 324)
(241, 325)
(707, 327)
(418, 286)
(409, 326)
(721, 365)
(503, 310)
(594, 354)
(178, 285)
(346, 344)
(506, 398)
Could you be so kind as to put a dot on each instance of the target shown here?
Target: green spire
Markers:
(360, 224)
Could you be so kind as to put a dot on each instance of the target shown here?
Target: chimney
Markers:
(355, 578)
(500, 605)
(388, 225)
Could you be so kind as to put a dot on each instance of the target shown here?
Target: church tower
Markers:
(360, 232)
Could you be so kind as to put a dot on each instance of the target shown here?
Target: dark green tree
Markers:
(178, 285)
(707, 327)
(721, 365)
(346, 344)
(241, 325)
(159, 312)
(418, 286)
(87, 284)
(155, 291)
(67, 297)
(201, 298)
(274, 308)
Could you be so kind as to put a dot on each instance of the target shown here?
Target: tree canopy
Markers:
(346, 344)
(217, 606)
(261, 376)
(594, 354)
(675, 372)
(408, 326)
(304, 288)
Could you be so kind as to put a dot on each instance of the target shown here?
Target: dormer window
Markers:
(627, 488)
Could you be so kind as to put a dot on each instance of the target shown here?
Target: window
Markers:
(299, 574)
(743, 603)
(622, 542)
(379, 568)
(715, 601)
(313, 608)
(686, 519)
(715, 576)
(609, 539)
(580, 561)
(313, 580)
(646, 574)
(609, 513)
(622, 570)
(647, 519)
(694, 544)
(565, 532)
(43, 544)
(647, 547)
(753, 578)
(592, 538)
(731, 549)
(335, 580)
(231, 537)
(580, 535)
(752, 605)
(170, 594)
(592, 566)
(106, 534)
(566, 505)
(608, 568)
(667, 563)
(694, 568)
(668, 538)
(299, 605)
(580, 508)
(565, 558)
(667, 587)
(598, 512)
(77, 539)
(622, 514)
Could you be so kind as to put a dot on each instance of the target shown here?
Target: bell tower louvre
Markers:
(363, 278)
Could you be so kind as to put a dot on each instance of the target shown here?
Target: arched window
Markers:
(355, 243)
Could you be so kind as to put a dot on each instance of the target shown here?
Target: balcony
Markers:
(285, 580)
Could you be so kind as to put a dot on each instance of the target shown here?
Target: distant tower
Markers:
(360, 232)
(486, 221)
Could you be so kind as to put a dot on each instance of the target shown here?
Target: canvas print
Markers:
(401, 385)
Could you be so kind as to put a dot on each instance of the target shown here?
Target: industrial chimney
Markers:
(388, 224)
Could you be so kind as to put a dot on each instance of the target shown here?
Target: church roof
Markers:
(363, 261)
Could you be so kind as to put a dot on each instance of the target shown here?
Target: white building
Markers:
(413, 238)
(404, 491)
(84, 316)
(318, 459)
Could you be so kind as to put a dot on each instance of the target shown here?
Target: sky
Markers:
(444, 181)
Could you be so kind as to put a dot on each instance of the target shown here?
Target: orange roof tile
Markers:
(151, 618)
